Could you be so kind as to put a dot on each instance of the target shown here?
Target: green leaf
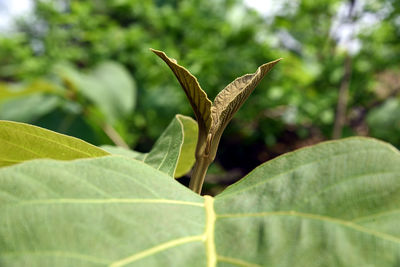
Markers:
(333, 204)
(173, 152)
(197, 97)
(21, 142)
(109, 211)
(9, 90)
(28, 108)
(117, 150)
(109, 86)
(384, 121)
(166, 152)
(187, 156)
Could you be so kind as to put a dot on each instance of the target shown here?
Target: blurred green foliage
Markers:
(61, 62)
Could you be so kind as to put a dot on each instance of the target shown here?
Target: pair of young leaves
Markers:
(212, 118)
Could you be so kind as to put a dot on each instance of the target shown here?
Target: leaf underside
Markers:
(333, 204)
(20, 142)
(197, 97)
(232, 97)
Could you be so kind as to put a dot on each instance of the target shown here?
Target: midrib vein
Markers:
(156, 249)
(209, 231)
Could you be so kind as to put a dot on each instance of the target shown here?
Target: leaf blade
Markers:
(91, 214)
(307, 202)
(20, 142)
(174, 151)
(197, 97)
(232, 97)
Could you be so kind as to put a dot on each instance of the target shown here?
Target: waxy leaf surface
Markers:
(333, 204)
(21, 142)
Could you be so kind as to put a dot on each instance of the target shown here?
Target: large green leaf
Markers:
(21, 142)
(173, 152)
(334, 204)
(108, 211)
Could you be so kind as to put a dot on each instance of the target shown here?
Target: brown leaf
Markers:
(197, 97)
(232, 97)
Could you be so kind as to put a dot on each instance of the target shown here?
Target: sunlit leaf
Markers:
(187, 155)
(21, 142)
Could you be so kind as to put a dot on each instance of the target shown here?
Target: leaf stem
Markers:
(114, 136)
(199, 173)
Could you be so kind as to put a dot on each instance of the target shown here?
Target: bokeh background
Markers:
(84, 68)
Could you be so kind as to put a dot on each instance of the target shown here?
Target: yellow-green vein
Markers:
(156, 249)
(237, 262)
(209, 231)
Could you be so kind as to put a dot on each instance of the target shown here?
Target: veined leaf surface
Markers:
(21, 142)
(232, 97)
(197, 97)
(108, 211)
(333, 204)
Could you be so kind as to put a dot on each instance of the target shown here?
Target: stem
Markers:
(342, 100)
(114, 136)
(199, 173)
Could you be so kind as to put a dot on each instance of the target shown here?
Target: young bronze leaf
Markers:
(197, 97)
(229, 100)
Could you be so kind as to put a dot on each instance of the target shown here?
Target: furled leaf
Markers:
(333, 204)
(197, 97)
(173, 152)
(21, 142)
(232, 97)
